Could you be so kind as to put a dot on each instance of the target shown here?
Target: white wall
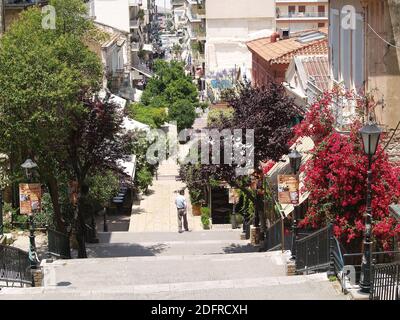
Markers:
(114, 13)
(219, 9)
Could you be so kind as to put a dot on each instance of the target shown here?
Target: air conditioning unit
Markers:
(283, 33)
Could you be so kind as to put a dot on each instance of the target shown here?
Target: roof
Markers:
(314, 69)
(282, 51)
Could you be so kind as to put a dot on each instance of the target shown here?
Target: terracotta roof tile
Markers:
(282, 51)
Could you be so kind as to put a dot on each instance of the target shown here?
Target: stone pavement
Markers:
(157, 211)
(223, 277)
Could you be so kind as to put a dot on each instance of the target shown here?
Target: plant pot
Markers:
(196, 210)
(206, 227)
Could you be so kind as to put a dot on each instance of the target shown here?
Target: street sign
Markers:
(288, 189)
(30, 198)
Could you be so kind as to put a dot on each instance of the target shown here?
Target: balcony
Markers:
(193, 17)
(135, 3)
(302, 1)
(135, 23)
(23, 3)
(302, 16)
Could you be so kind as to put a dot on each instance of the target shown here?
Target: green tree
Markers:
(103, 186)
(44, 74)
(183, 112)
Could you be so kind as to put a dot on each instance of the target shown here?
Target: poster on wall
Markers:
(30, 198)
(288, 189)
(234, 196)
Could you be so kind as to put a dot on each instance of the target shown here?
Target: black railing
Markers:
(15, 267)
(313, 251)
(385, 284)
(275, 236)
(58, 244)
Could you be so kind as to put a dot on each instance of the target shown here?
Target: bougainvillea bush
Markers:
(336, 178)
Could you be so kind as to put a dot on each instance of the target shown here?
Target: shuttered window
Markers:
(334, 37)
(358, 53)
(346, 55)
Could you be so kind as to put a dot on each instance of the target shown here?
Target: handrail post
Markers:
(331, 271)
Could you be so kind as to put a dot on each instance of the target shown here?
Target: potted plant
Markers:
(205, 218)
(195, 199)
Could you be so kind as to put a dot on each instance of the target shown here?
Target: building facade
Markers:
(230, 24)
(195, 37)
(365, 57)
(10, 10)
(301, 15)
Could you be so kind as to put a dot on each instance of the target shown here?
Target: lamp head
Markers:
(370, 135)
(295, 160)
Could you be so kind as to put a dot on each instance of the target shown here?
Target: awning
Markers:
(129, 125)
(148, 47)
(304, 146)
(120, 102)
(129, 166)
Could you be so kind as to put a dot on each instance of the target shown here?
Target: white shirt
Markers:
(180, 201)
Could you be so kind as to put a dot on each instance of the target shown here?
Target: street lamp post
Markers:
(1, 213)
(28, 165)
(370, 135)
(295, 162)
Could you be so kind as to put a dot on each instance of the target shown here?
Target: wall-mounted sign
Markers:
(30, 198)
(288, 189)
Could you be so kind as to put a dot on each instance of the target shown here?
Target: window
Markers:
(302, 9)
(321, 11)
(334, 42)
(321, 25)
(292, 10)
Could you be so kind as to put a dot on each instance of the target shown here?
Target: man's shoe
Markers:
(180, 231)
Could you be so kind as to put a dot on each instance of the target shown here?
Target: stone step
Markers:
(168, 248)
(108, 272)
(223, 233)
(281, 287)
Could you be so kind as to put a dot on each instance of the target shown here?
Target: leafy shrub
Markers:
(103, 186)
(205, 217)
(183, 112)
(144, 179)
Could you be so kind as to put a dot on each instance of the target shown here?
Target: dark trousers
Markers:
(182, 215)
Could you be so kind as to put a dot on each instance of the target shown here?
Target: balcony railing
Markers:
(133, 3)
(23, 3)
(302, 15)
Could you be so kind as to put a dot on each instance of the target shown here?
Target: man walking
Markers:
(181, 206)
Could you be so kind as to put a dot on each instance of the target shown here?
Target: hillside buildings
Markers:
(300, 15)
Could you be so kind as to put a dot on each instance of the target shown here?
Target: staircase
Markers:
(169, 265)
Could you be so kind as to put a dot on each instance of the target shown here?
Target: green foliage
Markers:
(144, 179)
(46, 216)
(183, 112)
(247, 205)
(152, 116)
(171, 88)
(218, 118)
(103, 186)
(205, 217)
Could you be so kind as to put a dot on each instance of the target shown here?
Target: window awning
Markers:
(304, 146)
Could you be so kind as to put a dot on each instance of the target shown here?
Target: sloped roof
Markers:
(283, 51)
(314, 68)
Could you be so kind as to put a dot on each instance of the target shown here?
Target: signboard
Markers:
(30, 198)
(288, 189)
(234, 196)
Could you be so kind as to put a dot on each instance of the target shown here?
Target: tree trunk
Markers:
(54, 194)
(80, 224)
